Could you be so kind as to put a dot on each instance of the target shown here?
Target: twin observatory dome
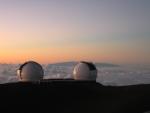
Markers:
(33, 71)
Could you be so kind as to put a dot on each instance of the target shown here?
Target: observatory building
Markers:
(30, 71)
(85, 71)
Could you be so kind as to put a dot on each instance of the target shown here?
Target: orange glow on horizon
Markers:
(66, 53)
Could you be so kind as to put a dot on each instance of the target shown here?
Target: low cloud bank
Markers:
(116, 76)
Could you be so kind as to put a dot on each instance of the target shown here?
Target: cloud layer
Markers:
(123, 75)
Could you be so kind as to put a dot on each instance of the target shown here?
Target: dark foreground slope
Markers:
(68, 96)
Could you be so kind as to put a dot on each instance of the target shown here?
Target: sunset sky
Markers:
(47, 31)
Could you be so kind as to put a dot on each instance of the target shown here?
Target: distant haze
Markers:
(108, 74)
(48, 31)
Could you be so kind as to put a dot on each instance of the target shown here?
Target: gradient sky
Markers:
(116, 31)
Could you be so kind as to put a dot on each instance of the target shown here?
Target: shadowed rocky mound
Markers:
(73, 63)
(69, 96)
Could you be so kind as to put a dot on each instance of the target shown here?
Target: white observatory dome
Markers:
(85, 71)
(30, 71)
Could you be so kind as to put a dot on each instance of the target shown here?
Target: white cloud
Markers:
(124, 75)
